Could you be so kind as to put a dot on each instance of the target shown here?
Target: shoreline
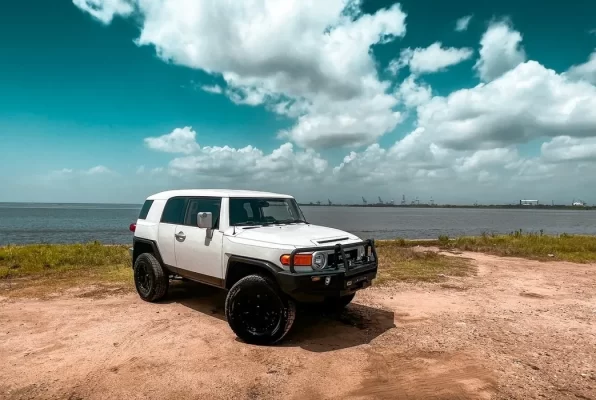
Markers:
(126, 206)
(462, 206)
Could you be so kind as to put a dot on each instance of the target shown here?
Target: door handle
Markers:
(180, 236)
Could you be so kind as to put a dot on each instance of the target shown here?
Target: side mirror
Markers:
(205, 220)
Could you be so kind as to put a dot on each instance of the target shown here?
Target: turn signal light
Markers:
(132, 227)
(299, 259)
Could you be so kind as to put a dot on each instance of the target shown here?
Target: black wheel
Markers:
(150, 279)
(258, 312)
(338, 303)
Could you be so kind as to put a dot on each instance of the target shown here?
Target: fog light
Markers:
(327, 280)
(361, 252)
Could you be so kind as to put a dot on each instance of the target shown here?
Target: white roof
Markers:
(215, 193)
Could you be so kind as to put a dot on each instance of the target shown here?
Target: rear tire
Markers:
(258, 312)
(337, 304)
(151, 281)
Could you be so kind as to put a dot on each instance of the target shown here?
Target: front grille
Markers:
(350, 255)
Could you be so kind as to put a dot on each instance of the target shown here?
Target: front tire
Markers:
(151, 281)
(258, 312)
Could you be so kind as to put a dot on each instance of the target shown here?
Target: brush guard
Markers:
(340, 261)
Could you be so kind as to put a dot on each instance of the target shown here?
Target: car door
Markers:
(199, 250)
(171, 217)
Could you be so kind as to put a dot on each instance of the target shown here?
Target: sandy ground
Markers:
(518, 330)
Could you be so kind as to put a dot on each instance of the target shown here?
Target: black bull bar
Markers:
(339, 250)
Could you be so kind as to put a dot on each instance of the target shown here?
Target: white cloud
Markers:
(312, 62)
(566, 148)
(462, 23)
(585, 71)
(216, 89)
(469, 138)
(500, 51)
(399, 63)
(433, 58)
(525, 103)
(359, 121)
(482, 159)
(100, 169)
(180, 140)
(142, 170)
(277, 53)
(66, 173)
(105, 10)
(250, 165)
(413, 94)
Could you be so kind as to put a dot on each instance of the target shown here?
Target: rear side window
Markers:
(145, 209)
(173, 212)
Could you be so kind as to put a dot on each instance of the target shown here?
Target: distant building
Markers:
(528, 202)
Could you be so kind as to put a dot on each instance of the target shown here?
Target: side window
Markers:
(145, 209)
(173, 211)
(205, 204)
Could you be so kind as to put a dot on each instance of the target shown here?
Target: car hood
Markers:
(299, 235)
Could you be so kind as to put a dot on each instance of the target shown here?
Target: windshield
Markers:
(263, 211)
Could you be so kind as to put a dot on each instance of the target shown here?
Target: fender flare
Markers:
(153, 245)
(265, 265)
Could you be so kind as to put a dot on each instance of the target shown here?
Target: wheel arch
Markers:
(238, 267)
(141, 246)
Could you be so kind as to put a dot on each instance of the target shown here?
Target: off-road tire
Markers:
(151, 281)
(337, 304)
(258, 289)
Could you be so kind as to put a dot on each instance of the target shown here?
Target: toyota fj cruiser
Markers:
(256, 245)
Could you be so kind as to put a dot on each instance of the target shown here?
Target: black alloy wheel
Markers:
(258, 312)
(150, 279)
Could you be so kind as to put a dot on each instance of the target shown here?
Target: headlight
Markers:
(319, 260)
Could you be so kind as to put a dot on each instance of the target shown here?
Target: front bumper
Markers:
(316, 286)
(341, 279)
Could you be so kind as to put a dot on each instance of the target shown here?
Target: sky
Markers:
(461, 101)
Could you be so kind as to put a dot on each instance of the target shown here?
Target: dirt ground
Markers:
(518, 330)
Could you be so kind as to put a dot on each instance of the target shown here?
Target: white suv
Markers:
(256, 245)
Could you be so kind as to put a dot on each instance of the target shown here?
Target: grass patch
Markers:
(398, 262)
(91, 260)
(537, 246)
(575, 248)
(49, 269)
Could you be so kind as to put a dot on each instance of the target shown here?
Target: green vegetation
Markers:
(45, 270)
(39, 270)
(397, 262)
(94, 260)
(537, 246)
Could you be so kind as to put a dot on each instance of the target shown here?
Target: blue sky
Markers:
(85, 85)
